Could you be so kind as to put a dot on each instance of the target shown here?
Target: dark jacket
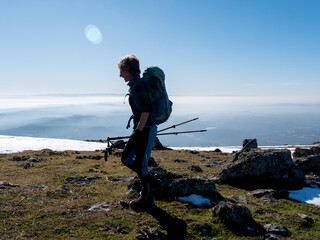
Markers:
(139, 99)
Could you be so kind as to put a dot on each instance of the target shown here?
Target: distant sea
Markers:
(227, 119)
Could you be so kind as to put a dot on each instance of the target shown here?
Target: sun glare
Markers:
(93, 34)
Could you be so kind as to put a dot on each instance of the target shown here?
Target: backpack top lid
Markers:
(155, 71)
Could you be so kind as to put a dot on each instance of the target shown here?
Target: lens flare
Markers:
(93, 34)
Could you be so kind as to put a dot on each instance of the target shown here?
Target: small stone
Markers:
(195, 168)
(16, 158)
(27, 165)
(277, 229)
(271, 236)
(180, 161)
(194, 152)
(104, 206)
(150, 234)
(34, 160)
(308, 220)
(64, 188)
(4, 184)
(118, 178)
(97, 171)
(83, 180)
(237, 199)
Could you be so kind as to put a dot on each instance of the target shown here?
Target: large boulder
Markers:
(258, 168)
(307, 159)
(174, 185)
(238, 219)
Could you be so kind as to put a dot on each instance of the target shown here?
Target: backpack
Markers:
(161, 106)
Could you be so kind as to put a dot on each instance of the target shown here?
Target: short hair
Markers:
(131, 64)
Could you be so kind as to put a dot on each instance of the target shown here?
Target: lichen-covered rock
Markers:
(176, 185)
(277, 229)
(238, 219)
(262, 169)
(104, 206)
(34, 160)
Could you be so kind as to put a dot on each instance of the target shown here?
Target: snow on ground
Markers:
(310, 195)
(11, 144)
(231, 149)
(196, 200)
(223, 149)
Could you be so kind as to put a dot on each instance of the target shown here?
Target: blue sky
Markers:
(208, 47)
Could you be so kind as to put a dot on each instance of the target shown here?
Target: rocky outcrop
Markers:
(258, 168)
(303, 152)
(238, 219)
(308, 159)
(247, 145)
(270, 195)
(176, 185)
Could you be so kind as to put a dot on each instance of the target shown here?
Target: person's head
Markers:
(129, 67)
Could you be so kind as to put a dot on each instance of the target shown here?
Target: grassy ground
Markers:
(36, 208)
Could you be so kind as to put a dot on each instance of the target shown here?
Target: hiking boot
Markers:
(145, 201)
(141, 204)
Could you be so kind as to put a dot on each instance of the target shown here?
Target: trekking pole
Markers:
(176, 133)
(115, 145)
(174, 126)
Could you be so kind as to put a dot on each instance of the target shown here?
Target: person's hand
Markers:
(137, 132)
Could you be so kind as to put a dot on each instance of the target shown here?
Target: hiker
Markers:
(138, 149)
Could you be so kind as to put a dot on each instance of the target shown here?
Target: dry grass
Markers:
(38, 209)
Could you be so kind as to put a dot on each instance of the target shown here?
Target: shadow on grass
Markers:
(176, 228)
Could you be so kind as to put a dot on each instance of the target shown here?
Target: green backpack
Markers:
(161, 106)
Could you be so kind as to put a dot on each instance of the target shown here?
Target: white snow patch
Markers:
(11, 144)
(310, 195)
(231, 149)
(196, 200)
(223, 149)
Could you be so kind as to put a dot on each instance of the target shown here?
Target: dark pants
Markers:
(137, 151)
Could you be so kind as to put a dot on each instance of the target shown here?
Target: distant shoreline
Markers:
(13, 144)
